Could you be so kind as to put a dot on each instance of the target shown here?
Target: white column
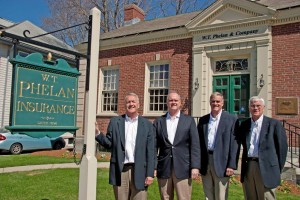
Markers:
(88, 167)
(264, 68)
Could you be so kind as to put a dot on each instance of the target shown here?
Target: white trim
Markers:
(146, 93)
(100, 89)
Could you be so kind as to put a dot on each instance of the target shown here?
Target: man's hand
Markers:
(229, 172)
(195, 173)
(97, 131)
(155, 173)
(148, 181)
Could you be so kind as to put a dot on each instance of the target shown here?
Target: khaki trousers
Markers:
(183, 188)
(127, 190)
(253, 185)
(215, 188)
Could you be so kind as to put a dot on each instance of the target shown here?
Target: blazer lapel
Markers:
(180, 124)
(205, 129)
(164, 128)
(122, 130)
(139, 134)
(263, 130)
(220, 127)
(248, 133)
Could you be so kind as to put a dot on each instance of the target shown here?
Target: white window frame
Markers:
(147, 86)
(101, 89)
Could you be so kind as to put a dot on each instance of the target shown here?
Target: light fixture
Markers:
(261, 81)
(196, 84)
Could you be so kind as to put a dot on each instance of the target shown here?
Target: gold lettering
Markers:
(37, 88)
(60, 109)
(45, 90)
(51, 91)
(62, 92)
(45, 108)
(23, 86)
(45, 77)
(70, 92)
(52, 109)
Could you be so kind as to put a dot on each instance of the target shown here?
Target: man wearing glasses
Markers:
(264, 145)
(219, 147)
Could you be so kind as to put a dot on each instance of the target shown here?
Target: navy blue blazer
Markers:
(271, 153)
(144, 150)
(225, 154)
(184, 154)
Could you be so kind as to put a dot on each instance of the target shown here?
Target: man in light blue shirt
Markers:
(264, 144)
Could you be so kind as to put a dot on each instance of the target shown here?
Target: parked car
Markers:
(69, 140)
(16, 143)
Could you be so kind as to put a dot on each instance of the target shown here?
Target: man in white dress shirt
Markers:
(131, 140)
(178, 160)
(219, 149)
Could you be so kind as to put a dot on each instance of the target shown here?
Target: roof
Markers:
(151, 25)
(19, 28)
(279, 4)
(5, 23)
(181, 20)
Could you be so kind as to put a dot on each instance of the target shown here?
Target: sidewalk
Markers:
(47, 166)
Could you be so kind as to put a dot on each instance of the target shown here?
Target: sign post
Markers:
(88, 167)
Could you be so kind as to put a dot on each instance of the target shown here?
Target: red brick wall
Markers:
(132, 70)
(286, 66)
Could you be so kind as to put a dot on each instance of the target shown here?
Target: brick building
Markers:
(240, 48)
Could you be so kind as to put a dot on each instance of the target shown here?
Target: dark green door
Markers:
(235, 89)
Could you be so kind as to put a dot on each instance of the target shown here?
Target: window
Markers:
(109, 95)
(232, 65)
(158, 87)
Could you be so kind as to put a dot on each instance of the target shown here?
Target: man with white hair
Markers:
(264, 144)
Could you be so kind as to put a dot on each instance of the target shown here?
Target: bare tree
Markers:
(164, 8)
(67, 13)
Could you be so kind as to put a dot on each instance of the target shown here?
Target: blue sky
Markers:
(21, 10)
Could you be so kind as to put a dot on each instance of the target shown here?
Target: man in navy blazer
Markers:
(178, 151)
(131, 140)
(265, 147)
(219, 149)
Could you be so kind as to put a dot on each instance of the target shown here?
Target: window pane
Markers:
(158, 87)
(110, 88)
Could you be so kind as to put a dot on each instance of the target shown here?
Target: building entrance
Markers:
(235, 89)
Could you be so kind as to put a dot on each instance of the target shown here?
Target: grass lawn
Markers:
(57, 184)
(27, 159)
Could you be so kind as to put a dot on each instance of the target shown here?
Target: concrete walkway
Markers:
(47, 166)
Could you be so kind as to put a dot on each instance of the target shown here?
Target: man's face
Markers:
(216, 104)
(174, 103)
(256, 109)
(131, 105)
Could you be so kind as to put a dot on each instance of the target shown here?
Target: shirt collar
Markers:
(128, 119)
(259, 121)
(217, 117)
(169, 116)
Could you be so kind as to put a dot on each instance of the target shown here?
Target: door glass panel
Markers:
(236, 105)
(224, 81)
(237, 81)
(235, 89)
(237, 93)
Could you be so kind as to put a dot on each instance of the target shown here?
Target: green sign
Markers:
(45, 96)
